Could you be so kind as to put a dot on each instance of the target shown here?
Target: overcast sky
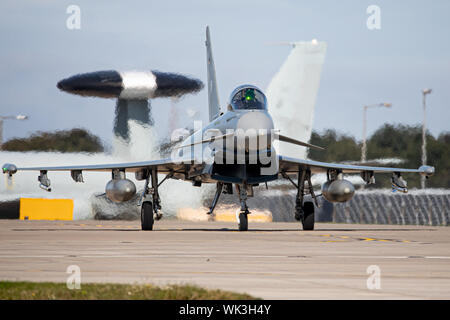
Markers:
(411, 51)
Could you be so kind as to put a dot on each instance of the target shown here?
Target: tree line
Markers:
(75, 140)
(389, 141)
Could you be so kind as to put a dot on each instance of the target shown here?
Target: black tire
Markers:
(298, 214)
(243, 221)
(308, 216)
(147, 216)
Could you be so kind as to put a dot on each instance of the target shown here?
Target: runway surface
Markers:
(271, 261)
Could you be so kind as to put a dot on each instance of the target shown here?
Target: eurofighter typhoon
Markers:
(236, 150)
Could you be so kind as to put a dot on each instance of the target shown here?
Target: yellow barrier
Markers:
(46, 209)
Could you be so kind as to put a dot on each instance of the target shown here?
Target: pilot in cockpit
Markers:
(248, 98)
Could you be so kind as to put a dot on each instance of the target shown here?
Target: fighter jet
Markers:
(237, 148)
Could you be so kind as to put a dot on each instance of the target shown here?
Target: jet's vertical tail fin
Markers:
(292, 94)
(213, 96)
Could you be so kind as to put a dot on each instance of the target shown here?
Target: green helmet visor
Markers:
(249, 94)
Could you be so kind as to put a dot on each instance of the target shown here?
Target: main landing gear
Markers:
(147, 215)
(304, 210)
(308, 216)
(150, 201)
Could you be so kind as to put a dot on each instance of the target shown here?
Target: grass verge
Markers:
(11, 290)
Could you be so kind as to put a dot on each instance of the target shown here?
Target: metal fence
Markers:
(431, 207)
(382, 208)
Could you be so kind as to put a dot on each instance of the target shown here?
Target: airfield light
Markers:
(364, 146)
(424, 132)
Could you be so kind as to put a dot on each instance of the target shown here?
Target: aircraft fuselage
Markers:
(246, 146)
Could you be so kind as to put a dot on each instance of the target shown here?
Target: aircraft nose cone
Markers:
(255, 120)
(256, 127)
(106, 84)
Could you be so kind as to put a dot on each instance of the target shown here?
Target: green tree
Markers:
(390, 141)
(75, 140)
(339, 147)
(405, 142)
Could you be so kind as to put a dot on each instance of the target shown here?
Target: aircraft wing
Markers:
(179, 169)
(288, 164)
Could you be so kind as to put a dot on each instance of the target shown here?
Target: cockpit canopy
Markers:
(248, 97)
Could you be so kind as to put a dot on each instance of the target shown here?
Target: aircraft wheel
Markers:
(147, 216)
(243, 221)
(308, 216)
(298, 214)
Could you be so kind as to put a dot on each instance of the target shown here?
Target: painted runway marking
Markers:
(364, 239)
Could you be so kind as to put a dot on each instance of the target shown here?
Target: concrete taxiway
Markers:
(271, 261)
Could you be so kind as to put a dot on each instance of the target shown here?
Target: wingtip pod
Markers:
(426, 171)
(130, 84)
(9, 168)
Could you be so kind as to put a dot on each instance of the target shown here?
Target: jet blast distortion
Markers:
(132, 89)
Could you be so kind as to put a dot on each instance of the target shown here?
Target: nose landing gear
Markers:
(243, 211)
(242, 219)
